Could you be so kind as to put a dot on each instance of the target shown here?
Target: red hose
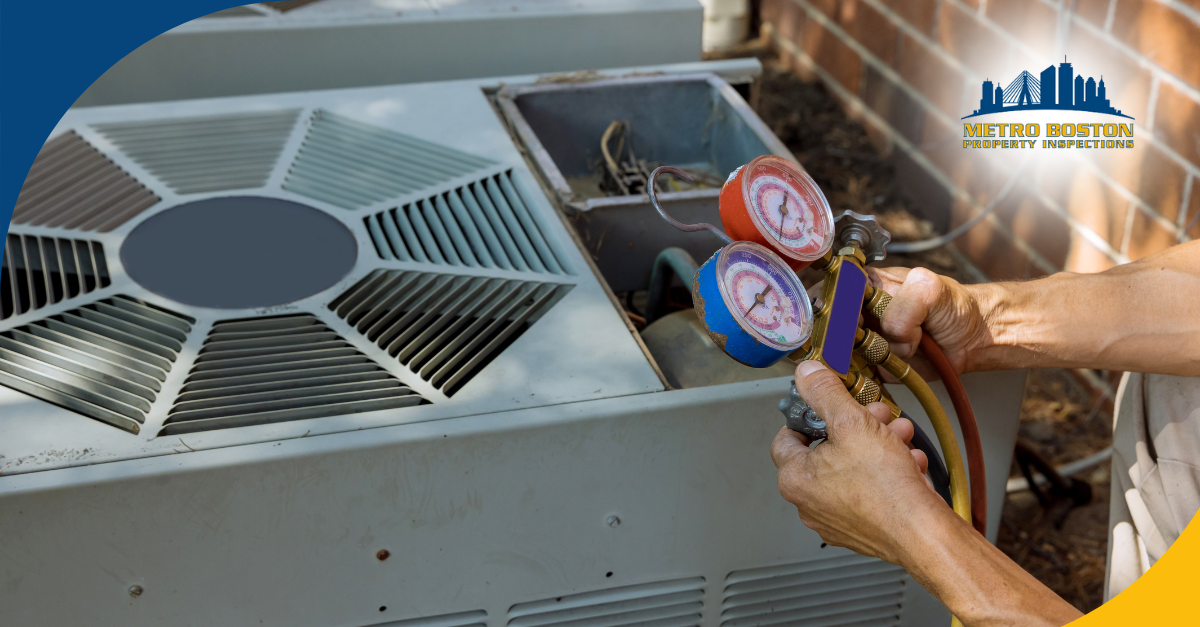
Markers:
(970, 430)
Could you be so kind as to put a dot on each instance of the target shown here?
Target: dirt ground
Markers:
(1058, 417)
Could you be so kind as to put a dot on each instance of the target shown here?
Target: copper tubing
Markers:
(959, 492)
(970, 430)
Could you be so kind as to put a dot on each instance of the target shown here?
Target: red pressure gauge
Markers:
(772, 202)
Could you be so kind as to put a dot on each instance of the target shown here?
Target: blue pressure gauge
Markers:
(752, 304)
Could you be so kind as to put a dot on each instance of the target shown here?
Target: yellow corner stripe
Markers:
(1165, 595)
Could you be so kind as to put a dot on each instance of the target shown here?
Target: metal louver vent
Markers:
(71, 185)
(40, 271)
(106, 360)
(676, 603)
(352, 165)
(836, 592)
(279, 369)
(477, 618)
(210, 153)
(445, 328)
(486, 223)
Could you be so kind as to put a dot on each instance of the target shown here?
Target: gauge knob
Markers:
(871, 238)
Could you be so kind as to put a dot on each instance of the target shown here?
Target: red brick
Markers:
(1191, 220)
(1162, 35)
(833, 55)
(828, 7)
(1084, 257)
(996, 255)
(972, 42)
(1032, 21)
(1149, 173)
(1094, 11)
(1035, 224)
(928, 73)
(919, 13)
(787, 17)
(1177, 122)
(1147, 237)
(870, 28)
(1086, 197)
(1127, 83)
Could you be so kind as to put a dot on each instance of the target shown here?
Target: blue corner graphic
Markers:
(1029, 93)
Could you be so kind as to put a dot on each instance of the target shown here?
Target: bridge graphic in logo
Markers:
(1031, 93)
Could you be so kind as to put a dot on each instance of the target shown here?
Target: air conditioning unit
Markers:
(337, 359)
(300, 45)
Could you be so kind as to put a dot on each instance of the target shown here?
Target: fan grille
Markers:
(445, 328)
(71, 185)
(279, 369)
(351, 165)
(210, 153)
(487, 223)
(106, 360)
(40, 271)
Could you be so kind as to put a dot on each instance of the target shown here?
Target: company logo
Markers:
(1055, 89)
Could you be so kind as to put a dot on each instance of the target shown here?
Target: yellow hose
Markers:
(960, 493)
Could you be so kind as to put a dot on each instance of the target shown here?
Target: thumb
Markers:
(821, 388)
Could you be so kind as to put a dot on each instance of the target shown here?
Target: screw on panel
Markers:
(613, 521)
(135, 591)
(382, 554)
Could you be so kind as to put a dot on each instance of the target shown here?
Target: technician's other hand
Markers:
(949, 311)
(858, 488)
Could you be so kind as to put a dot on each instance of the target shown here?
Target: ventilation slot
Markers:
(73, 186)
(462, 619)
(843, 591)
(106, 360)
(665, 604)
(209, 153)
(40, 271)
(352, 165)
(487, 223)
(279, 369)
(444, 328)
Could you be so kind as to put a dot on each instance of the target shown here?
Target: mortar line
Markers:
(889, 73)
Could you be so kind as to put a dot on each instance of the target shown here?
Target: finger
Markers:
(903, 428)
(921, 459)
(825, 393)
(880, 412)
(786, 446)
(910, 305)
(886, 279)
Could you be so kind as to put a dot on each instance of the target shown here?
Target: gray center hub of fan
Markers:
(239, 252)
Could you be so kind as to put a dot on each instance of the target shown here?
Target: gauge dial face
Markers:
(788, 207)
(764, 295)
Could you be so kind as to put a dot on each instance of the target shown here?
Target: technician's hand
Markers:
(858, 488)
(949, 311)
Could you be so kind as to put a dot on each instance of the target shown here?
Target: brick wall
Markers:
(910, 69)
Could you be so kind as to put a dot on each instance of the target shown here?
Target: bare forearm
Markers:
(1143, 316)
(979, 584)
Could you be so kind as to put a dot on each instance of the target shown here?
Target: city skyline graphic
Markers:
(1034, 93)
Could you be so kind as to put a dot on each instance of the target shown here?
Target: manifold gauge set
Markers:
(752, 304)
